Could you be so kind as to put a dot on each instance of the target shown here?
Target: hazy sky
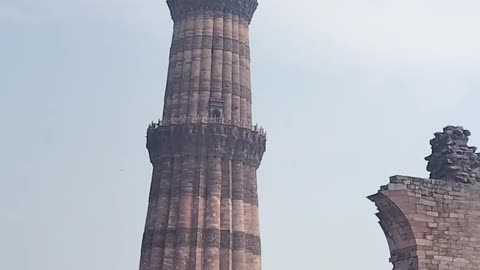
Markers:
(350, 92)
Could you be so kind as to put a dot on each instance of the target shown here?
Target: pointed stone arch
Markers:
(397, 228)
(430, 224)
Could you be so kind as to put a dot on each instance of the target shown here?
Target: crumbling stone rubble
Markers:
(452, 158)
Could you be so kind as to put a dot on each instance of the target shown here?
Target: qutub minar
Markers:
(203, 205)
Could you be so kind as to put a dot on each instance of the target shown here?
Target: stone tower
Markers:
(203, 206)
(433, 224)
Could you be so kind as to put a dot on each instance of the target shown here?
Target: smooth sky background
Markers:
(350, 92)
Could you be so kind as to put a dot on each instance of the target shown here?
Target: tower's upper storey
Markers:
(209, 66)
(243, 8)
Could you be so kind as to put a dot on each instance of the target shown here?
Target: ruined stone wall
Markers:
(434, 223)
(430, 224)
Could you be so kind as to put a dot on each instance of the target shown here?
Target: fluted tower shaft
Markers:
(203, 204)
(209, 69)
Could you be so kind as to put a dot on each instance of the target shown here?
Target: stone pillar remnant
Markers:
(452, 159)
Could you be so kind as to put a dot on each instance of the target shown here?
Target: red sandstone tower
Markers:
(203, 206)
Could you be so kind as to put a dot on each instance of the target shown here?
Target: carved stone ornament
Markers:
(244, 8)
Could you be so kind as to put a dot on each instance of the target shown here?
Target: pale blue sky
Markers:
(350, 92)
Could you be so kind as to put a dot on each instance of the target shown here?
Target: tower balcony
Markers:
(212, 137)
(209, 120)
(244, 8)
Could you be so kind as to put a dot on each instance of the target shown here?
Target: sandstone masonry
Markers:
(435, 223)
(203, 203)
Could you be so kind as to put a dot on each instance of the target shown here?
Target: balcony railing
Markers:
(209, 120)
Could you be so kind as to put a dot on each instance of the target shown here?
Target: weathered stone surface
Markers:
(433, 223)
(244, 8)
(209, 67)
(214, 140)
(430, 224)
(452, 159)
(203, 205)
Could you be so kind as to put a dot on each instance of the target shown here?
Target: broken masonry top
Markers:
(452, 159)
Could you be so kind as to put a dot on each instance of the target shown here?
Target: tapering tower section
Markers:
(203, 205)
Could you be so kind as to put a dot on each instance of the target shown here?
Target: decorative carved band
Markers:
(199, 119)
(247, 195)
(202, 238)
(228, 87)
(208, 42)
(212, 140)
(244, 8)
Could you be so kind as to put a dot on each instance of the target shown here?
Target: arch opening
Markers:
(216, 114)
(398, 232)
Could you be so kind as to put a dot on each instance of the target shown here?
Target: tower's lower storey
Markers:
(203, 206)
